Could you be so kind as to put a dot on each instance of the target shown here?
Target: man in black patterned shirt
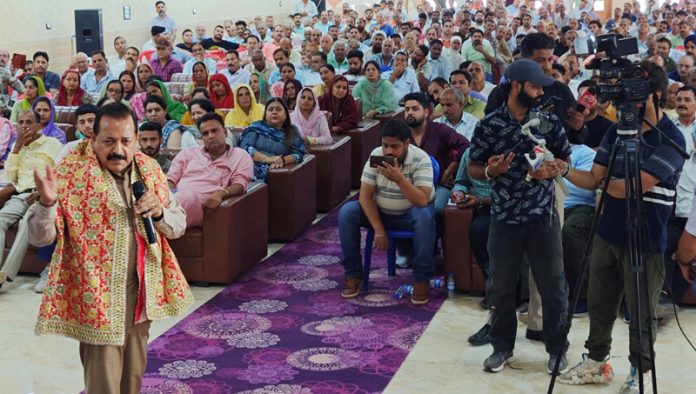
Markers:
(523, 214)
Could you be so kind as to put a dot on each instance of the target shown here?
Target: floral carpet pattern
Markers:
(284, 328)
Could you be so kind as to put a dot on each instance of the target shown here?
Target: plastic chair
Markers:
(392, 235)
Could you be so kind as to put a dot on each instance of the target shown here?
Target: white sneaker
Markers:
(588, 371)
(43, 278)
(403, 261)
(632, 383)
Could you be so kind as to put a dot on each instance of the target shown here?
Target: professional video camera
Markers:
(625, 84)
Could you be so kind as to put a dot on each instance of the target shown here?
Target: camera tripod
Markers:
(628, 143)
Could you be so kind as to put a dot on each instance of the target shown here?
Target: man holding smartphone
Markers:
(392, 197)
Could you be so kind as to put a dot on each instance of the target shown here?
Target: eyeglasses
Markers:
(114, 91)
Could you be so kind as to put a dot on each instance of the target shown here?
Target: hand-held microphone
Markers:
(587, 100)
(536, 122)
(138, 191)
(540, 153)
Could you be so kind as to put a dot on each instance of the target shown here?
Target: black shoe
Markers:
(483, 304)
(496, 361)
(481, 337)
(535, 335)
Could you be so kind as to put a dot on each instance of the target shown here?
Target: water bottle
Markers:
(402, 291)
(450, 285)
(437, 283)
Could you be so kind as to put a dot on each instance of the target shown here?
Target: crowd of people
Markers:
(253, 96)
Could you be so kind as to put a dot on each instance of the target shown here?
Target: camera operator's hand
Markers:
(499, 164)
(548, 170)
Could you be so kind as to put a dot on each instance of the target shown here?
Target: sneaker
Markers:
(43, 278)
(483, 304)
(588, 371)
(496, 361)
(523, 313)
(625, 315)
(403, 261)
(482, 337)
(632, 383)
(351, 288)
(562, 367)
(534, 335)
(421, 293)
(580, 309)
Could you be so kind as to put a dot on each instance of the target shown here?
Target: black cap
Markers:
(528, 70)
(155, 30)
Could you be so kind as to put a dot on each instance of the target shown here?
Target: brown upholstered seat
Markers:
(362, 141)
(68, 129)
(333, 172)
(292, 199)
(232, 238)
(398, 114)
(65, 115)
(459, 260)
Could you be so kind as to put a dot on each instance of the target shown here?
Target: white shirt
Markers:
(408, 83)
(310, 8)
(465, 127)
(240, 77)
(685, 190)
(688, 133)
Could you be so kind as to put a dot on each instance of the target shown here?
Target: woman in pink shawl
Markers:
(310, 120)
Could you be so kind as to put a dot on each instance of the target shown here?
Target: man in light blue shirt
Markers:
(402, 76)
(163, 20)
(439, 67)
(199, 56)
(323, 23)
(235, 74)
(452, 101)
(96, 81)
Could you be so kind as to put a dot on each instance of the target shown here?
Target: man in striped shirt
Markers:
(610, 270)
(392, 197)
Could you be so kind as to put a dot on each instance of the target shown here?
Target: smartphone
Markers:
(550, 103)
(19, 61)
(376, 161)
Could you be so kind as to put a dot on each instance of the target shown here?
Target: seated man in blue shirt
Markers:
(392, 197)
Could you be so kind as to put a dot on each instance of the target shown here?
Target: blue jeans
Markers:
(419, 220)
(507, 243)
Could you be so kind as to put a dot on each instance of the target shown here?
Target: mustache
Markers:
(115, 156)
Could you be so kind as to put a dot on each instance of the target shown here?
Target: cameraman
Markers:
(523, 214)
(610, 270)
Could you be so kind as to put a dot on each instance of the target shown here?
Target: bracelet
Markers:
(567, 170)
(227, 193)
(485, 172)
(158, 218)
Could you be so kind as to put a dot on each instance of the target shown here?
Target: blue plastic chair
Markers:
(392, 235)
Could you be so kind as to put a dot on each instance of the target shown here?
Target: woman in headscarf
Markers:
(341, 104)
(290, 91)
(327, 73)
(199, 79)
(220, 92)
(273, 142)
(246, 110)
(33, 88)
(143, 75)
(70, 94)
(44, 107)
(310, 119)
(377, 94)
(8, 134)
(259, 86)
(114, 92)
(127, 78)
(175, 109)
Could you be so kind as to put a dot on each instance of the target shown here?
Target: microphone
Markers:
(587, 100)
(138, 191)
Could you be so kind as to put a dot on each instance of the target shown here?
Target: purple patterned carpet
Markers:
(284, 328)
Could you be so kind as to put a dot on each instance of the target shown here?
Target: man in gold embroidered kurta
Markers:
(106, 281)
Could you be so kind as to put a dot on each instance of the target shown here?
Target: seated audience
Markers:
(32, 151)
(402, 76)
(172, 131)
(114, 92)
(199, 80)
(341, 104)
(310, 120)
(246, 110)
(33, 88)
(392, 197)
(47, 112)
(85, 115)
(259, 86)
(327, 73)
(162, 61)
(192, 136)
(127, 79)
(205, 176)
(94, 82)
(273, 142)
(50, 80)
(453, 115)
(70, 94)
(220, 92)
(175, 109)
(199, 57)
(150, 141)
(377, 94)
(290, 91)
(287, 73)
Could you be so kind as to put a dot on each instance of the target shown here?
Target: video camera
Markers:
(625, 84)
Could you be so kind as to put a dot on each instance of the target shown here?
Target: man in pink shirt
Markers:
(205, 176)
